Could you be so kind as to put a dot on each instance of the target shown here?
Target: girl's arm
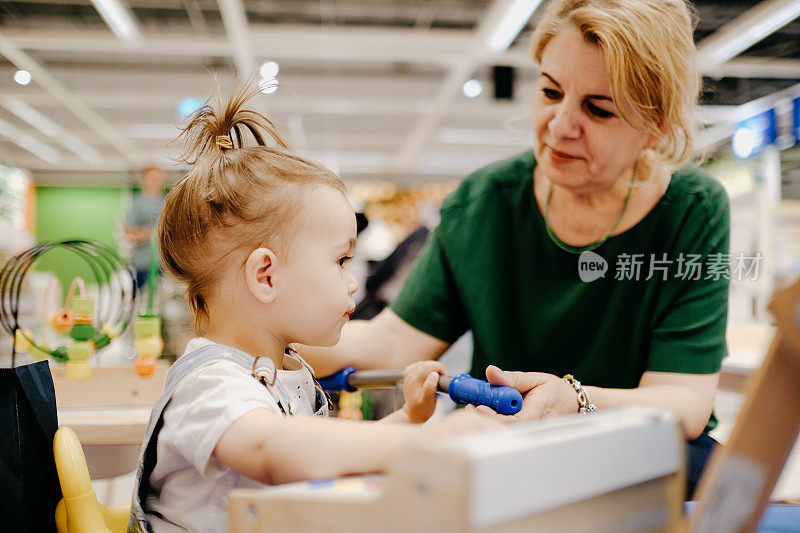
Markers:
(272, 449)
(385, 341)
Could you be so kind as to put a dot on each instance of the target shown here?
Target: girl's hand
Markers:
(543, 395)
(420, 381)
(462, 421)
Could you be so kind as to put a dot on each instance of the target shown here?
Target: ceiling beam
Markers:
(87, 115)
(755, 67)
(43, 124)
(309, 43)
(459, 71)
(29, 143)
(278, 42)
(729, 116)
(234, 19)
(118, 18)
(196, 18)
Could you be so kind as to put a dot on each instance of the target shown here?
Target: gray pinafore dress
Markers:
(262, 368)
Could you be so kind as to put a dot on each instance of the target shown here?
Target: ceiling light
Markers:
(269, 70)
(23, 77)
(188, 107)
(748, 29)
(472, 88)
(511, 22)
(743, 143)
(268, 86)
(118, 18)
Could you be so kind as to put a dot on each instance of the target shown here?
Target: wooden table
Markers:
(106, 426)
(747, 346)
(112, 407)
(108, 413)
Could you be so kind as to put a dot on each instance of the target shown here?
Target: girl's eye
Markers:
(344, 260)
(599, 112)
(551, 94)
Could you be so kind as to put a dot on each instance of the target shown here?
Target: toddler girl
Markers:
(262, 238)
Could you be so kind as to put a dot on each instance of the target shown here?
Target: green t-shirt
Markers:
(490, 267)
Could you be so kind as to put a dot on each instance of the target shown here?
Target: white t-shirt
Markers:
(193, 483)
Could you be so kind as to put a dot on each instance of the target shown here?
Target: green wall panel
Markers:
(89, 213)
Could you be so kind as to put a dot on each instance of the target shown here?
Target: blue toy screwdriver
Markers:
(462, 389)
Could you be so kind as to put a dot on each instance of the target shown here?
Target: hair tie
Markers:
(224, 142)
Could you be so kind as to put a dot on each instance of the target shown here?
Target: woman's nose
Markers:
(565, 123)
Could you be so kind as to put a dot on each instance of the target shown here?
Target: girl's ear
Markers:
(259, 272)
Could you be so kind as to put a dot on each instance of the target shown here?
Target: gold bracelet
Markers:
(584, 405)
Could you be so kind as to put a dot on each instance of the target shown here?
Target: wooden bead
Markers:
(60, 354)
(82, 306)
(61, 321)
(82, 332)
(146, 326)
(100, 340)
(80, 351)
(149, 347)
(144, 366)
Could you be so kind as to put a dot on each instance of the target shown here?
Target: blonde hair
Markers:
(650, 52)
(234, 197)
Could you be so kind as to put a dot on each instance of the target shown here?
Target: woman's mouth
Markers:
(561, 157)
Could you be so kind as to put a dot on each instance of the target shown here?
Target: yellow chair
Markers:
(79, 511)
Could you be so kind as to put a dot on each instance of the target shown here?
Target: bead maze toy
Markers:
(147, 326)
(90, 323)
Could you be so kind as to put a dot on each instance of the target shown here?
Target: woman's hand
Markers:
(543, 395)
(420, 381)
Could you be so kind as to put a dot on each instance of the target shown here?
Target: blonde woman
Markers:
(599, 254)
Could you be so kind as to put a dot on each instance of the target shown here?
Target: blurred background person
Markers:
(141, 220)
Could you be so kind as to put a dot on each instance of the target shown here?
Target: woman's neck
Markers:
(580, 218)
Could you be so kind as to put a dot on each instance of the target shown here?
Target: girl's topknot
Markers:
(245, 190)
(212, 130)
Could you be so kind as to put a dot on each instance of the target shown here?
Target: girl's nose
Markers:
(352, 284)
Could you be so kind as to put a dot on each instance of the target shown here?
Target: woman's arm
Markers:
(273, 449)
(690, 397)
(385, 341)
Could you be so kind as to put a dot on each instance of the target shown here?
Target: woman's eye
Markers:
(551, 94)
(599, 112)
(344, 260)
